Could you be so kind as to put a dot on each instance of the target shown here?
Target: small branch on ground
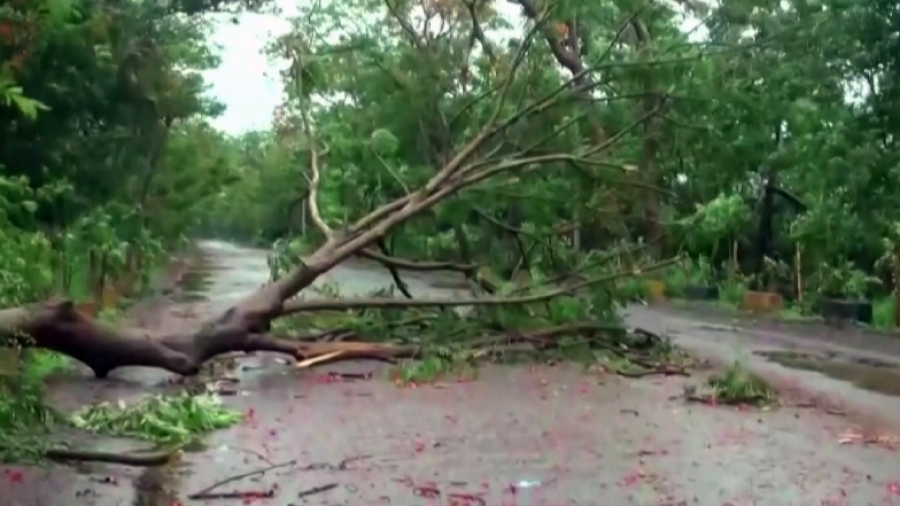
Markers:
(143, 459)
(199, 495)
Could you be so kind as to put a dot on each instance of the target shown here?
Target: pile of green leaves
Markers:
(25, 419)
(737, 385)
(167, 420)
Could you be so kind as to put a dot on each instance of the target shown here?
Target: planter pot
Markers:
(848, 310)
(701, 292)
(762, 302)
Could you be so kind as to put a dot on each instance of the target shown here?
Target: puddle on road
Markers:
(873, 375)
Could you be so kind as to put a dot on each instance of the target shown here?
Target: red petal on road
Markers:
(893, 487)
(14, 476)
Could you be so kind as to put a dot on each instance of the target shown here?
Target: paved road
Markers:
(588, 439)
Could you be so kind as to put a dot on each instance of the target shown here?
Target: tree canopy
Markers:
(797, 94)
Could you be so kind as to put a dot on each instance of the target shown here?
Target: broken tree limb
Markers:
(300, 306)
(143, 459)
(410, 265)
(342, 351)
(394, 272)
(56, 325)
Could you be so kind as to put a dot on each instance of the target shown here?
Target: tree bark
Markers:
(57, 326)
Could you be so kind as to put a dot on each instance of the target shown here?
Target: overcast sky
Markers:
(247, 82)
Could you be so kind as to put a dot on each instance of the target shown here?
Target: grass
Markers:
(25, 419)
(735, 386)
(883, 313)
(434, 367)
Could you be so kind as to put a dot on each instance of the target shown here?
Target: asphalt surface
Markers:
(516, 436)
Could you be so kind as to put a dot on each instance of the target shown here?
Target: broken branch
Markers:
(294, 307)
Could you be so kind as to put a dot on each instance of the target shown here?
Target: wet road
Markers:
(588, 439)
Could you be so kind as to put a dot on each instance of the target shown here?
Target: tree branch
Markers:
(302, 306)
(409, 265)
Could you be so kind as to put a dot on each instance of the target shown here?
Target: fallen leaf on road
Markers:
(893, 487)
(14, 476)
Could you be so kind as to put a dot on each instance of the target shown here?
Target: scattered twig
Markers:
(260, 456)
(315, 360)
(204, 494)
(317, 490)
(342, 466)
(664, 370)
(351, 375)
(237, 494)
(148, 459)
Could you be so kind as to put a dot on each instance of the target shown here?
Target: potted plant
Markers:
(700, 281)
(842, 293)
(714, 224)
(766, 299)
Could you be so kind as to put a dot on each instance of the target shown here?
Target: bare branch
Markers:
(404, 24)
(301, 306)
(478, 33)
(313, 192)
(416, 266)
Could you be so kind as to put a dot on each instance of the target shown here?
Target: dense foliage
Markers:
(105, 148)
(105, 156)
(801, 94)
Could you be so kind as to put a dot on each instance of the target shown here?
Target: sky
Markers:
(247, 81)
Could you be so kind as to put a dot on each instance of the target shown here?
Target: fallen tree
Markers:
(56, 325)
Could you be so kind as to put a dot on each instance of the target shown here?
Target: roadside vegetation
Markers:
(555, 172)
